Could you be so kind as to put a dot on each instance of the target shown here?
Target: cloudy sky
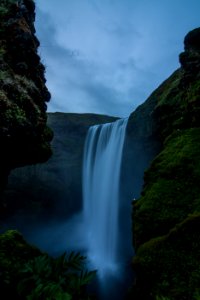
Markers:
(107, 56)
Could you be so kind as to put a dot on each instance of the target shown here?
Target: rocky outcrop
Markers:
(24, 136)
(165, 217)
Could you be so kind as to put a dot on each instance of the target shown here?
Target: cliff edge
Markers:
(166, 217)
(24, 136)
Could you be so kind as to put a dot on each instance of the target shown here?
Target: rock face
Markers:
(165, 218)
(24, 136)
(54, 189)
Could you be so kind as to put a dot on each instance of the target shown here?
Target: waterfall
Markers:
(101, 193)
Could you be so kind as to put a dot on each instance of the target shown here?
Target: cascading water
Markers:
(101, 194)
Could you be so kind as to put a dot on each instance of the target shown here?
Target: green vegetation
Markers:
(5, 6)
(26, 273)
(169, 263)
(172, 187)
(58, 278)
(166, 219)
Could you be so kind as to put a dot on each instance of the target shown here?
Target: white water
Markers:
(101, 194)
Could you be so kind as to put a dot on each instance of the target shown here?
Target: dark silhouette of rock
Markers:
(24, 136)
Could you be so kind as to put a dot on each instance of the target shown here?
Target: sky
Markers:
(107, 56)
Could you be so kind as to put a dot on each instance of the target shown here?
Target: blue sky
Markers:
(107, 56)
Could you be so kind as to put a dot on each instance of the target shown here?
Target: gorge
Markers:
(160, 170)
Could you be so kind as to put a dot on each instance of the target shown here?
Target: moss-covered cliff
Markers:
(166, 229)
(24, 136)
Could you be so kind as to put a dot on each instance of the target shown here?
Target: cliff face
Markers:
(54, 189)
(166, 217)
(24, 136)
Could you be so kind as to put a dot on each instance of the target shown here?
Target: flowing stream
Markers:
(101, 194)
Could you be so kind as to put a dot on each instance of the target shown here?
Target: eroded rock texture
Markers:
(24, 136)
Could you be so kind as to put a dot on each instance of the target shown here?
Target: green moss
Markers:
(167, 260)
(170, 263)
(48, 134)
(3, 75)
(5, 7)
(15, 114)
(178, 106)
(14, 252)
(172, 186)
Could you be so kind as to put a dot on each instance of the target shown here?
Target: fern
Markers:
(55, 279)
(75, 261)
(50, 291)
(86, 277)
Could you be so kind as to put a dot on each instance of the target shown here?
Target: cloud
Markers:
(107, 56)
(79, 84)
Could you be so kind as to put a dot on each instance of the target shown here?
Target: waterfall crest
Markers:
(101, 194)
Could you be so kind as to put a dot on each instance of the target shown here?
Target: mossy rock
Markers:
(14, 253)
(169, 265)
(167, 259)
(172, 187)
(24, 136)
